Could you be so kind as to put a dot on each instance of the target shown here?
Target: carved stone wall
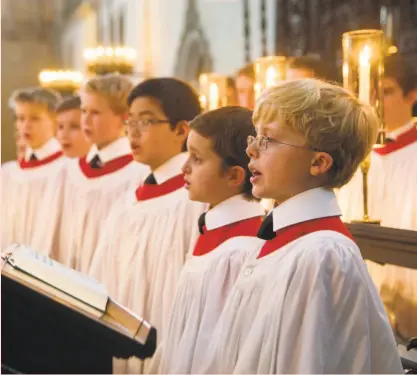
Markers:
(28, 44)
(193, 57)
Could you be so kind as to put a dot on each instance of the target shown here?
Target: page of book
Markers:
(63, 278)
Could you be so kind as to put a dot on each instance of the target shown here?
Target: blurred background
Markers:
(182, 38)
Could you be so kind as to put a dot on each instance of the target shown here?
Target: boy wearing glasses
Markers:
(305, 303)
(38, 166)
(91, 184)
(151, 230)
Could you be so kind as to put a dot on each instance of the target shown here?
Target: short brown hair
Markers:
(72, 102)
(38, 95)
(228, 129)
(247, 71)
(114, 87)
(398, 69)
(314, 64)
(331, 119)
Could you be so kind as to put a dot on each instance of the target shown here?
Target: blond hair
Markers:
(114, 87)
(331, 119)
(48, 98)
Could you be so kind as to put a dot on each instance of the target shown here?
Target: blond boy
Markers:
(305, 303)
(23, 191)
(92, 183)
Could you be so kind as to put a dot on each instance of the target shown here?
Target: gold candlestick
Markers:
(213, 91)
(363, 59)
(269, 71)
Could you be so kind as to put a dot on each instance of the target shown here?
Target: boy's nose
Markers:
(185, 168)
(252, 151)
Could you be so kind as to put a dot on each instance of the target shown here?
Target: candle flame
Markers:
(214, 96)
(365, 56)
(271, 76)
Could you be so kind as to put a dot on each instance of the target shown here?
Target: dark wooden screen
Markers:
(316, 26)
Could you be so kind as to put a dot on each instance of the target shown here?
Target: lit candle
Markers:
(365, 74)
(272, 76)
(257, 89)
(203, 101)
(213, 97)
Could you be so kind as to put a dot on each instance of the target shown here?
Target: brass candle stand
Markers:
(363, 68)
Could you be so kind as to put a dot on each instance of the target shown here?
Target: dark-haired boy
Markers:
(151, 230)
(244, 82)
(216, 173)
(307, 67)
(69, 133)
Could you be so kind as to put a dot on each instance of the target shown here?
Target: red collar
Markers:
(402, 141)
(37, 163)
(148, 191)
(286, 235)
(109, 167)
(214, 238)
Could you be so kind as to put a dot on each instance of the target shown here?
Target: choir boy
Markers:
(92, 183)
(305, 303)
(307, 67)
(69, 133)
(23, 191)
(245, 82)
(216, 173)
(151, 230)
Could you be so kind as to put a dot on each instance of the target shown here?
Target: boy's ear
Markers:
(411, 96)
(236, 176)
(182, 128)
(320, 163)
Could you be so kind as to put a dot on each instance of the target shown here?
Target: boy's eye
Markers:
(195, 158)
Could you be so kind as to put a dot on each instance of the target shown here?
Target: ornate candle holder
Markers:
(363, 69)
(213, 88)
(269, 71)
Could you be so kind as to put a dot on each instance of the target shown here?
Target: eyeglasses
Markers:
(143, 125)
(262, 143)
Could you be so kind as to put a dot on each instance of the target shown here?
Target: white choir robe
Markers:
(143, 248)
(393, 200)
(23, 192)
(308, 307)
(206, 281)
(8, 169)
(84, 199)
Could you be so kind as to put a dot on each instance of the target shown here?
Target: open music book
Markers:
(71, 288)
(27, 262)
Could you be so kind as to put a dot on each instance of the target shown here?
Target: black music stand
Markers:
(41, 335)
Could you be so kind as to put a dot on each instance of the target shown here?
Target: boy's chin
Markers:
(259, 193)
(195, 197)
